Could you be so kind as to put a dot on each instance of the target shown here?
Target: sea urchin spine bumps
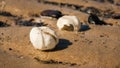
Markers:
(43, 38)
(69, 23)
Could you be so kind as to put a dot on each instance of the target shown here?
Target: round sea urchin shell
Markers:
(69, 23)
(43, 38)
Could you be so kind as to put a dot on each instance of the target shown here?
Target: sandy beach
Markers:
(94, 46)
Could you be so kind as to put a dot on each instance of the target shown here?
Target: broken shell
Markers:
(43, 38)
(94, 19)
(68, 23)
(52, 13)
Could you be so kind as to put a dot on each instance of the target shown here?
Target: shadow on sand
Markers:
(63, 44)
(84, 28)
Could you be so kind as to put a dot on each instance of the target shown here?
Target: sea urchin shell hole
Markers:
(68, 28)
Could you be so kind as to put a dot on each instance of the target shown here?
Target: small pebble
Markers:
(10, 49)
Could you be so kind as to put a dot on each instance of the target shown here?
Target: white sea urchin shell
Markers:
(43, 38)
(70, 23)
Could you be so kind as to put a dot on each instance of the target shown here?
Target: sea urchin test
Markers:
(68, 23)
(43, 38)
